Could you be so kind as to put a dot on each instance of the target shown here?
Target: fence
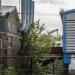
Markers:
(33, 65)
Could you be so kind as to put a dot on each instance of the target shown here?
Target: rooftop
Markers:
(67, 11)
(6, 9)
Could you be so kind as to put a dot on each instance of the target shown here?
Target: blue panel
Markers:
(64, 33)
(66, 56)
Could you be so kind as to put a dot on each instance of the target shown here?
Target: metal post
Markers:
(31, 65)
(53, 66)
(27, 65)
(3, 65)
(66, 69)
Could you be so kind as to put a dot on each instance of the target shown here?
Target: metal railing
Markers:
(33, 65)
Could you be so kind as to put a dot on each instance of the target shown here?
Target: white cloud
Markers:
(69, 5)
(51, 1)
(11, 3)
(47, 10)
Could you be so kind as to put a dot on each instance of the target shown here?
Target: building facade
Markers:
(68, 21)
(10, 37)
(27, 13)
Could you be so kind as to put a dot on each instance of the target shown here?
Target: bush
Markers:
(10, 71)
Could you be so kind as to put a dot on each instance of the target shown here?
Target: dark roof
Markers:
(6, 9)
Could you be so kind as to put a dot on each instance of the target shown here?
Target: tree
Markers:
(38, 44)
(36, 41)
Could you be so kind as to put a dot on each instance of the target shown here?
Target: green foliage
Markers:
(41, 44)
(59, 67)
(37, 28)
(10, 71)
(7, 71)
(1, 69)
(36, 43)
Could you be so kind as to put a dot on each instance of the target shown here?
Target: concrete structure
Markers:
(27, 10)
(10, 38)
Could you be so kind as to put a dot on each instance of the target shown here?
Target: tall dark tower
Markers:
(27, 10)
